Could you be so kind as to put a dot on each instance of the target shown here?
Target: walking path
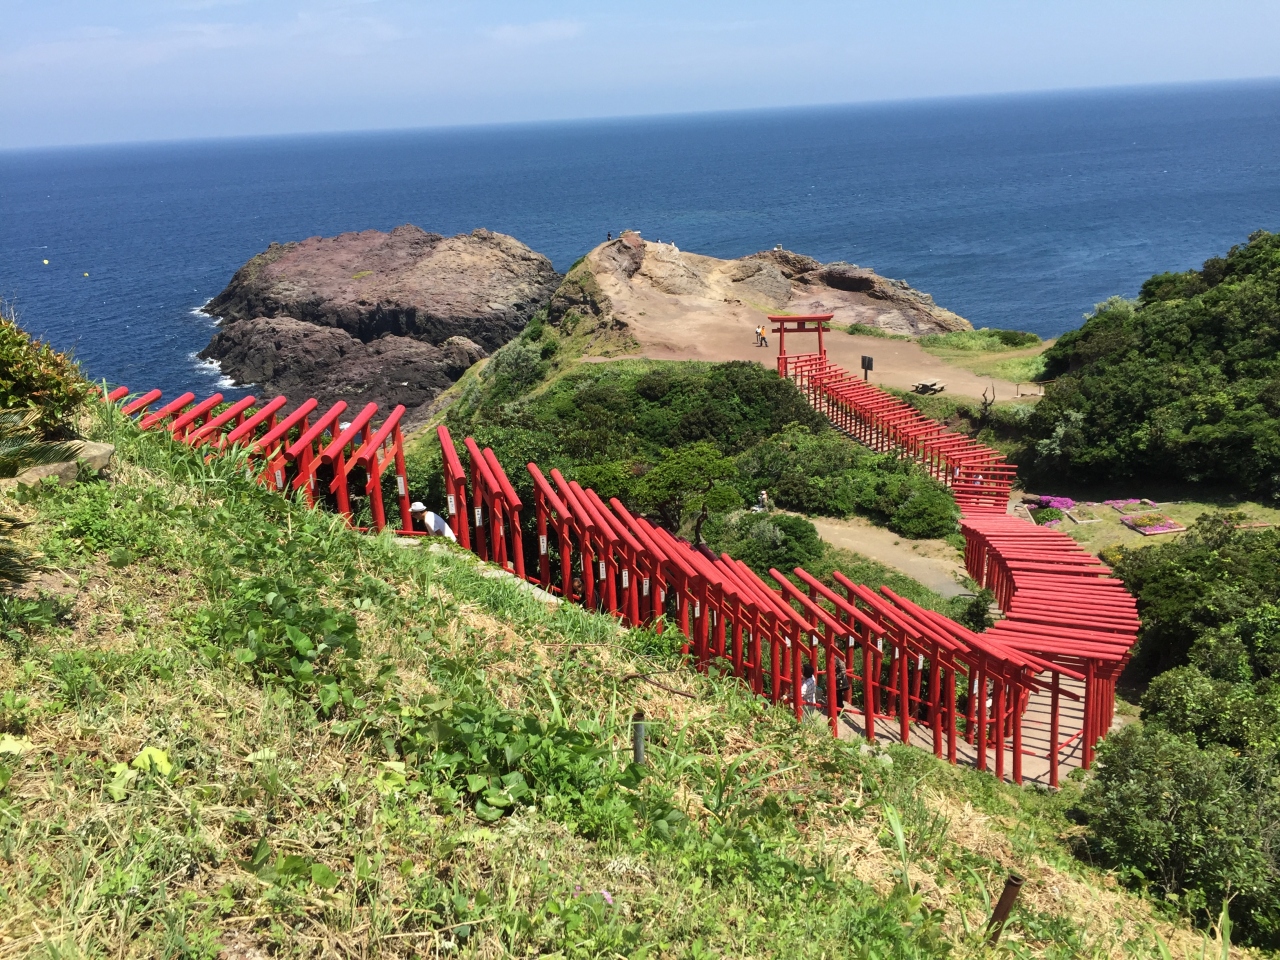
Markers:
(1036, 729)
(934, 563)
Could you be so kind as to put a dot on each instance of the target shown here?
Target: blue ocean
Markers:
(1017, 212)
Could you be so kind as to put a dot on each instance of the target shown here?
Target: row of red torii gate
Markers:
(1024, 699)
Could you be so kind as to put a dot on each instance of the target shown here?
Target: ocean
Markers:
(1016, 212)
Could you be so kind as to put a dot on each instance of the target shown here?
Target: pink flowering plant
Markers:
(1056, 503)
(1150, 523)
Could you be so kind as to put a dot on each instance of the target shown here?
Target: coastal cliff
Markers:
(371, 316)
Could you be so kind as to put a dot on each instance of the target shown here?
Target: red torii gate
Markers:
(810, 323)
(288, 451)
(908, 661)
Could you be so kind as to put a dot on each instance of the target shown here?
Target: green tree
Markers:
(690, 479)
(1200, 826)
(1181, 384)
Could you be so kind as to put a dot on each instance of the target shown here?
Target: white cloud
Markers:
(534, 34)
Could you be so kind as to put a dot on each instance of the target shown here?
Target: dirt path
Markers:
(933, 563)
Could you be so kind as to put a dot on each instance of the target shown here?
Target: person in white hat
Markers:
(430, 522)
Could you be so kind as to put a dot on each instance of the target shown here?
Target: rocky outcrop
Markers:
(665, 296)
(389, 317)
(298, 359)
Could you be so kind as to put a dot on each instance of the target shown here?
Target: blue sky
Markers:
(90, 71)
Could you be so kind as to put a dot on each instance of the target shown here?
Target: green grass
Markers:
(1007, 354)
(245, 725)
(866, 330)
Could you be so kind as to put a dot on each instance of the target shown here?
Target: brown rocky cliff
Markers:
(390, 317)
(484, 286)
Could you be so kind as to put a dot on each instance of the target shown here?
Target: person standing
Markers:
(843, 683)
(808, 689)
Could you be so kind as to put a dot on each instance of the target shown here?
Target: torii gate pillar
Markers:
(812, 323)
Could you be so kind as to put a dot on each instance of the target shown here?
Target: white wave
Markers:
(204, 314)
(212, 368)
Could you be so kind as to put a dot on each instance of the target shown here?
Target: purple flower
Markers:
(1058, 503)
(607, 899)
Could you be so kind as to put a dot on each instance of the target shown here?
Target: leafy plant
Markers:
(286, 636)
(1043, 515)
(1197, 825)
(38, 380)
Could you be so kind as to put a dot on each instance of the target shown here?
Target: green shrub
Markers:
(35, 377)
(1043, 515)
(764, 540)
(823, 473)
(1198, 826)
(982, 339)
(1214, 576)
(1181, 385)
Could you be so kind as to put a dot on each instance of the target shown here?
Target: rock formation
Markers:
(649, 286)
(389, 318)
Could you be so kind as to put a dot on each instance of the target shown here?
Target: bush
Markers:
(35, 377)
(821, 472)
(763, 540)
(982, 339)
(1044, 515)
(1214, 576)
(1182, 384)
(1199, 826)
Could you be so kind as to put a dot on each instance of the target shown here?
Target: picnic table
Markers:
(928, 386)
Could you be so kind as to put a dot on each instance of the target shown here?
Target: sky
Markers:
(102, 71)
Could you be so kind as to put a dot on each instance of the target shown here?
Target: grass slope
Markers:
(233, 724)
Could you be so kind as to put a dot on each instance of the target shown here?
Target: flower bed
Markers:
(1152, 523)
(1047, 516)
(1056, 503)
(1129, 506)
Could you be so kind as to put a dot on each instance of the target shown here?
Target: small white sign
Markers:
(279, 478)
(542, 544)
(697, 608)
(453, 505)
(626, 579)
(880, 644)
(400, 485)
(479, 517)
(644, 586)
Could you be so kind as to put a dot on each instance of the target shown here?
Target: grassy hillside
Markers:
(228, 722)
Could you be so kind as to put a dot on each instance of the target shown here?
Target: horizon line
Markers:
(631, 117)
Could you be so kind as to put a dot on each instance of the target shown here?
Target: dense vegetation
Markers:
(1186, 802)
(1183, 384)
(671, 438)
(984, 339)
